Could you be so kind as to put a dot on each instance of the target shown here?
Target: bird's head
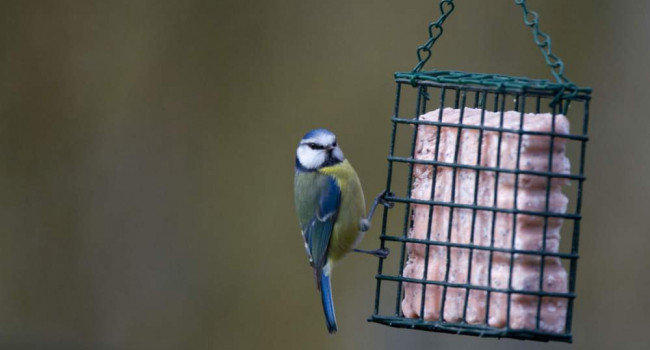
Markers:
(317, 149)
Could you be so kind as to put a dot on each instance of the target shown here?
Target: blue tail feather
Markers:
(328, 303)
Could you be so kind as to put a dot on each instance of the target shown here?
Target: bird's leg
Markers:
(365, 223)
(380, 253)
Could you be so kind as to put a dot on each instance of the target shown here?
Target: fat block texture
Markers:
(488, 228)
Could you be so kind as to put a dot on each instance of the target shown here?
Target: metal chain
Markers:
(446, 8)
(543, 41)
(531, 19)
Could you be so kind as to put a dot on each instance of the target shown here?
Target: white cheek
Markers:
(309, 158)
(338, 154)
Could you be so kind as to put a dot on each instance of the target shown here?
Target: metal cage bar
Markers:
(407, 206)
(494, 203)
(431, 208)
(514, 217)
(475, 201)
(453, 194)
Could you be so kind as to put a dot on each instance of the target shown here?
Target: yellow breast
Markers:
(352, 209)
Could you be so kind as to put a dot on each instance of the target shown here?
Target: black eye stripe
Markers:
(316, 146)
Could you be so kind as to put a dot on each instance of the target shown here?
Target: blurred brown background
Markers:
(147, 149)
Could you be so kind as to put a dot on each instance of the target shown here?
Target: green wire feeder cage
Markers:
(489, 190)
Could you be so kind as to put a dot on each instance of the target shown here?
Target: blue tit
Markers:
(331, 209)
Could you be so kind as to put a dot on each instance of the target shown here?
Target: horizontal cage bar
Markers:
(488, 128)
(484, 208)
(486, 168)
(467, 286)
(479, 247)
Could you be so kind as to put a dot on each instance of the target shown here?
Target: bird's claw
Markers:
(381, 198)
(384, 201)
(383, 253)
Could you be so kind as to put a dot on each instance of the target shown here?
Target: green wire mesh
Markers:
(487, 92)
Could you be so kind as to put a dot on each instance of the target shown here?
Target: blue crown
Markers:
(317, 132)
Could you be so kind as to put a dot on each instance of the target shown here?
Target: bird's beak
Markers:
(330, 148)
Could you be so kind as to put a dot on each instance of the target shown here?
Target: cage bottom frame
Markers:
(469, 329)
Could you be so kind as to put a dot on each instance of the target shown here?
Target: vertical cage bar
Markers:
(425, 98)
(407, 208)
(516, 102)
(545, 228)
(453, 196)
(494, 203)
(475, 202)
(389, 178)
(514, 215)
(431, 207)
(576, 223)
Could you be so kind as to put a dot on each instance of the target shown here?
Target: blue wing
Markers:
(318, 199)
(318, 237)
(319, 230)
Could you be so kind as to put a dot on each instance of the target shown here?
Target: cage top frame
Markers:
(496, 83)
